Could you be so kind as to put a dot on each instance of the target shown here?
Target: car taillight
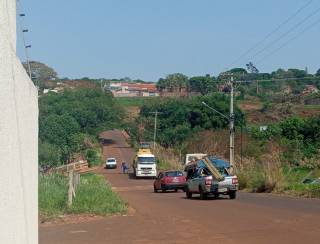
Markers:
(208, 181)
(235, 180)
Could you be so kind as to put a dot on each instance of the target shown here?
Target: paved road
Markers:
(171, 218)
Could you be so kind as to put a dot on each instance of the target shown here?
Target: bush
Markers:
(181, 118)
(94, 157)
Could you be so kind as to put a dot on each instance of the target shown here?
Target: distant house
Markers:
(310, 89)
(126, 89)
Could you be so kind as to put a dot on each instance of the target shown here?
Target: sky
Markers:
(149, 39)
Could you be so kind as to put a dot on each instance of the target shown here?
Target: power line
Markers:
(286, 33)
(290, 40)
(270, 34)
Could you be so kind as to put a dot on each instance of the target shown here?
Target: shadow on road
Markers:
(124, 147)
(197, 198)
(107, 142)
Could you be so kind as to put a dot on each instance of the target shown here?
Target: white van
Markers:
(111, 163)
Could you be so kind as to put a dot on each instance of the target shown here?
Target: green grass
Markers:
(305, 190)
(96, 197)
(289, 181)
(93, 196)
(52, 195)
(134, 101)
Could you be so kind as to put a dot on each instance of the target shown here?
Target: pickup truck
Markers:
(201, 179)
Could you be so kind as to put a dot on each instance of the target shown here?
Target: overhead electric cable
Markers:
(290, 40)
(286, 33)
(270, 34)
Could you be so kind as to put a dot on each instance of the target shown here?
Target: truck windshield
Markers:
(146, 160)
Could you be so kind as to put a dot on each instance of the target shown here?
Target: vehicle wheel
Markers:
(216, 195)
(155, 190)
(188, 193)
(233, 195)
(163, 188)
(175, 190)
(203, 195)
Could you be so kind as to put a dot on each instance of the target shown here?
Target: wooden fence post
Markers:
(71, 190)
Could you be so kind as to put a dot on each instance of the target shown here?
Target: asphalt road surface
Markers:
(171, 218)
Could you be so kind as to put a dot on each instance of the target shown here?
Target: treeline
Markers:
(69, 123)
(178, 119)
(296, 79)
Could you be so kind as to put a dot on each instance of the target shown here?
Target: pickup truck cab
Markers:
(201, 181)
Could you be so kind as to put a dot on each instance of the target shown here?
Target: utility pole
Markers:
(230, 119)
(155, 129)
(102, 87)
(231, 124)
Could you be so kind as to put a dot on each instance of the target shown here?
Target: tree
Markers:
(41, 71)
(49, 155)
(59, 130)
(42, 75)
(173, 81)
(237, 73)
(291, 73)
(202, 84)
(252, 69)
(180, 118)
(318, 72)
(69, 118)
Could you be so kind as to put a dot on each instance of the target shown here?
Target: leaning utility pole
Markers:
(155, 129)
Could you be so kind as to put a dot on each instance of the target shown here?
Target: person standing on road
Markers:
(123, 167)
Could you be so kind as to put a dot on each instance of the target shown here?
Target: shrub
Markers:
(93, 156)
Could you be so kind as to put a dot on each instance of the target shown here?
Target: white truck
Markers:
(144, 164)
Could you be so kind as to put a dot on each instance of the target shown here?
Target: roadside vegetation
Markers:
(278, 159)
(69, 126)
(180, 118)
(283, 157)
(93, 196)
(70, 122)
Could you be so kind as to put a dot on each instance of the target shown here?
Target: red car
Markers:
(169, 180)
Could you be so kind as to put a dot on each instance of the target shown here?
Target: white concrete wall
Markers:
(18, 139)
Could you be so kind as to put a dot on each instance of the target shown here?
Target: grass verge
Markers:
(93, 196)
(96, 197)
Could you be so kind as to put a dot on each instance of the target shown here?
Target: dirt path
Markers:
(171, 218)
